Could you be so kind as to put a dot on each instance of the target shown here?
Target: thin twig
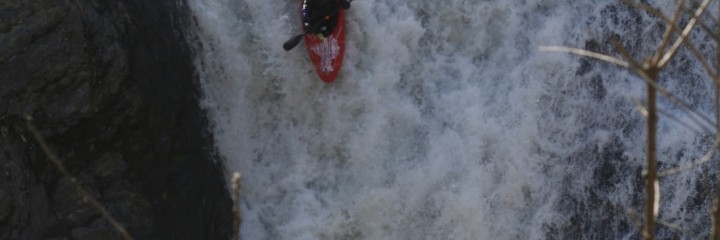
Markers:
(674, 227)
(697, 117)
(700, 161)
(586, 53)
(80, 189)
(675, 119)
(672, 27)
(705, 26)
(683, 34)
(642, 72)
(668, 32)
(643, 111)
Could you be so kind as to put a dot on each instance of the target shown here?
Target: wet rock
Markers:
(109, 165)
(111, 89)
(6, 206)
(70, 205)
(99, 229)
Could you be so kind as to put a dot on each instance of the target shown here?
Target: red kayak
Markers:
(326, 50)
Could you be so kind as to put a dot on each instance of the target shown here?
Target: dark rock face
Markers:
(110, 85)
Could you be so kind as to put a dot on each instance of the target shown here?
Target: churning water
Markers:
(447, 122)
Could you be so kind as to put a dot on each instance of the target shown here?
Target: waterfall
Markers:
(446, 122)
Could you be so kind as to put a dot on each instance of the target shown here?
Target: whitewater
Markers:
(447, 122)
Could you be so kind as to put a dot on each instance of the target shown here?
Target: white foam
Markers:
(445, 122)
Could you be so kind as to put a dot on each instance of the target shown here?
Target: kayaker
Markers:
(320, 16)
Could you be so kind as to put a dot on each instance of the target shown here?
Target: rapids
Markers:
(447, 122)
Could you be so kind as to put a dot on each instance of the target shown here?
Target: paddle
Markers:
(294, 41)
(290, 44)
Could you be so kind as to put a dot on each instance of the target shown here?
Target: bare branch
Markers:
(674, 227)
(643, 111)
(705, 26)
(691, 24)
(642, 71)
(630, 64)
(80, 189)
(700, 161)
(672, 27)
(585, 53)
(671, 22)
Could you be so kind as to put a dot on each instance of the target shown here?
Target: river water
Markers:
(447, 122)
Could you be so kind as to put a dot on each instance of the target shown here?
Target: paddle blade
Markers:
(290, 44)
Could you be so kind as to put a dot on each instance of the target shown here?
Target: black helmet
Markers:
(320, 16)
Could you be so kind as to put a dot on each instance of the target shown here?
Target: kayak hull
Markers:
(327, 52)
